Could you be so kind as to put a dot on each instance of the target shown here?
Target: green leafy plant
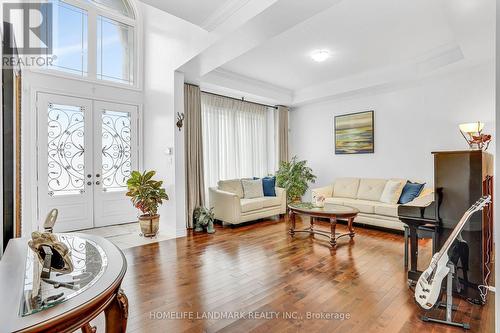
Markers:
(294, 177)
(204, 218)
(146, 193)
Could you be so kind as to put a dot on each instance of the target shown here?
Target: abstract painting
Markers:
(354, 133)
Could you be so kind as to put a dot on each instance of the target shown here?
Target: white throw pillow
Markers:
(252, 188)
(392, 191)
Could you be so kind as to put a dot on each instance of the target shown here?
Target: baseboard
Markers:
(181, 232)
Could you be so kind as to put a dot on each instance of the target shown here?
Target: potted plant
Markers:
(146, 195)
(294, 177)
(204, 218)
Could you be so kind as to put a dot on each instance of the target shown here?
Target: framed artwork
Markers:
(354, 133)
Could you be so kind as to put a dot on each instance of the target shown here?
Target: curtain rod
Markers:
(241, 100)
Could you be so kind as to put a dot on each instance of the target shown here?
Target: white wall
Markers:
(168, 43)
(410, 123)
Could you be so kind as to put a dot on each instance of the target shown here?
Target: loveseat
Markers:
(231, 206)
(365, 194)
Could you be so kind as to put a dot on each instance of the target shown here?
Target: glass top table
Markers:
(89, 262)
(63, 303)
(332, 212)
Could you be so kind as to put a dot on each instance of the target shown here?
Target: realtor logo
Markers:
(27, 28)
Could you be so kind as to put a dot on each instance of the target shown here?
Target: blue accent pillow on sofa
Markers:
(410, 192)
(268, 186)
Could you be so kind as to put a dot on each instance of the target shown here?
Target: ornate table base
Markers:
(116, 314)
(333, 224)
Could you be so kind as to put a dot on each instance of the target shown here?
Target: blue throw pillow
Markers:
(268, 186)
(410, 192)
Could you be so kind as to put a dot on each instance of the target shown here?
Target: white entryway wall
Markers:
(411, 120)
(168, 43)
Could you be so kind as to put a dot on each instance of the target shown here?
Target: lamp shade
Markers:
(471, 127)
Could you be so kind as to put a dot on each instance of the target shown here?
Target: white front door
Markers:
(86, 151)
(115, 144)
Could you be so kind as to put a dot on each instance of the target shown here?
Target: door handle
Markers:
(89, 183)
(98, 183)
(98, 175)
(89, 176)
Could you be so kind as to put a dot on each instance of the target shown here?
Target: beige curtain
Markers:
(282, 134)
(195, 184)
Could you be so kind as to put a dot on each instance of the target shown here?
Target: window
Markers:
(236, 139)
(115, 43)
(70, 38)
(95, 39)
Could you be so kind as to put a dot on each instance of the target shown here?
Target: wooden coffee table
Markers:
(331, 211)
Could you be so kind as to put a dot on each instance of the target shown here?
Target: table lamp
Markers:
(472, 133)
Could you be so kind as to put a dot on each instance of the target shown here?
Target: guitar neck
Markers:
(458, 228)
(453, 235)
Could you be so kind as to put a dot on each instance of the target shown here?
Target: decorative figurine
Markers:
(46, 244)
(204, 218)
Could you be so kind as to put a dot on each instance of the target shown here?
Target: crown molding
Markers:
(230, 80)
(222, 13)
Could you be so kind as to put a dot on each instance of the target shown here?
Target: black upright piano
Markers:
(460, 179)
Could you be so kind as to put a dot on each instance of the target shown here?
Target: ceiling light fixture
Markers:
(320, 55)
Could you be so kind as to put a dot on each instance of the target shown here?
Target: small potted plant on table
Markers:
(146, 195)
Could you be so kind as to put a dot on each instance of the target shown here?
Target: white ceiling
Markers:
(198, 12)
(367, 35)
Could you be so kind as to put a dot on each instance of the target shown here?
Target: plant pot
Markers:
(149, 225)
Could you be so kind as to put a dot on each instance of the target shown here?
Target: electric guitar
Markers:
(428, 287)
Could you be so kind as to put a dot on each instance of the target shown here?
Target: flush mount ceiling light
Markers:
(320, 55)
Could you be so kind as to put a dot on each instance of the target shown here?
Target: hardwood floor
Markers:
(258, 268)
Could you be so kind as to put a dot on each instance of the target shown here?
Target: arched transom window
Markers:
(95, 39)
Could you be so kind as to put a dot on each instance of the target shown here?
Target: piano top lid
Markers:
(458, 151)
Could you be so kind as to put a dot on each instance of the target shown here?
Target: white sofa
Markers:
(364, 194)
(231, 207)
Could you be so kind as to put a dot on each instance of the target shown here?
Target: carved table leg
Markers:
(88, 328)
(311, 223)
(292, 223)
(351, 229)
(117, 314)
(333, 225)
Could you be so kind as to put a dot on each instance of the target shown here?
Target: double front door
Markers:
(86, 151)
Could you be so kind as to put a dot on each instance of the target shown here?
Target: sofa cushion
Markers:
(364, 206)
(392, 191)
(335, 201)
(387, 209)
(346, 187)
(248, 205)
(269, 186)
(252, 188)
(371, 189)
(231, 185)
(271, 201)
(410, 192)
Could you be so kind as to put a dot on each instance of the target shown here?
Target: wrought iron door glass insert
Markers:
(116, 150)
(65, 149)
